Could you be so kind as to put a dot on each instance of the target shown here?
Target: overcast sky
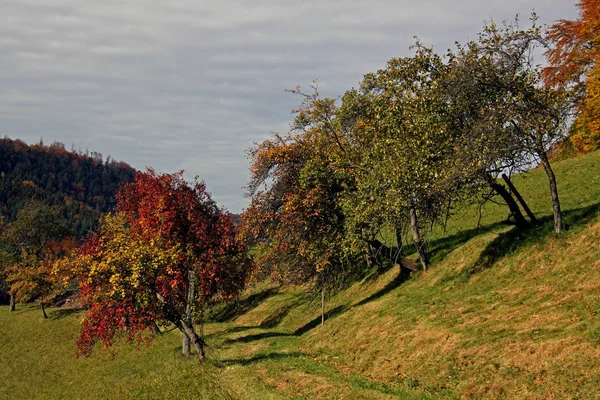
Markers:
(191, 84)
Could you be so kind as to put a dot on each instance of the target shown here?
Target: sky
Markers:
(192, 84)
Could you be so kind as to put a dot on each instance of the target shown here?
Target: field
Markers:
(501, 314)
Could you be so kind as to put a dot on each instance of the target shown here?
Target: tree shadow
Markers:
(514, 239)
(317, 321)
(440, 248)
(402, 277)
(275, 319)
(64, 312)
(298, 332)
(258, 336)
(233, 329)
(261, 357)
(234, 309)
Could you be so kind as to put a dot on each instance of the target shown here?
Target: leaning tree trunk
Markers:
(194, 339)
(43, 311)
(558, 222)
(515, 211)
(398, 246)
(185, 345)
(190, 337)
(12, 302)
(187, 317)
(520, 199)
(414, 226)
(370, 258)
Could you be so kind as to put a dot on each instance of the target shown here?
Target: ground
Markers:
(501, 314)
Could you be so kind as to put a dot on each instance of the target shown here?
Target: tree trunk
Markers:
(515, 211)
(12, 302)
(369, 255)
(187, 317)
(414, 226)
(558, 223)
(185, 345)
(43, 311)
(398, 246)
(194, 339)
(520, 198)
(190, 338)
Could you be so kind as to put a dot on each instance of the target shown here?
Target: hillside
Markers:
(85, 183)
(501, 314)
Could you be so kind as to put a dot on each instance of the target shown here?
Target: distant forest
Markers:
(81, 185)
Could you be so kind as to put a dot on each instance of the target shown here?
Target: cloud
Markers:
(185, 84)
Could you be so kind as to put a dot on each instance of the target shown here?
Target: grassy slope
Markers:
(500, 314)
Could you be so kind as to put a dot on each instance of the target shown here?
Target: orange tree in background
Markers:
(575, 63)
(166, 254)
(28, 247)
(35, 277)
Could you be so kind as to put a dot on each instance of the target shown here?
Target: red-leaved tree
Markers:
(163, 257)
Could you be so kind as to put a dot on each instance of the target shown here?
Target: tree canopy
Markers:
(163, 257)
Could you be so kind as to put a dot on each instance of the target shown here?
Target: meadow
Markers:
(502, 313)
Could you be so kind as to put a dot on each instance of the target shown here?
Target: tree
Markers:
(575, 64)
(34, 277)
(295, 219)
(398, 141)
(5, 261)
(27, 243)
(508, 119)
(164, 257)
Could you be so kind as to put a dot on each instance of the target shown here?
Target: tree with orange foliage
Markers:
(295, 218)
(31, 243)
(34, 277)
(575, 63)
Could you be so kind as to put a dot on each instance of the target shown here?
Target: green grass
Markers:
(38, 362)
(501, 314)
(578, 181)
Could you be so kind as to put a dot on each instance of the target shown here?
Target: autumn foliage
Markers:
(575, 63)
(163, 257)
(294, 219)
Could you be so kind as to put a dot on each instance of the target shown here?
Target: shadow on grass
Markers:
(298, 332)
(317, 321)
(258, 336)
(234, 309)
(440, 248)
(511, 241)
(261, 357)
(402, 277)
(233, 329)
(275, 319)
(64, 312)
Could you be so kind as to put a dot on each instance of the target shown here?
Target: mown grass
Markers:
(501, 314)
(38, 362)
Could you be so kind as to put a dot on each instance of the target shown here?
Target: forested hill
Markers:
(84, 184)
